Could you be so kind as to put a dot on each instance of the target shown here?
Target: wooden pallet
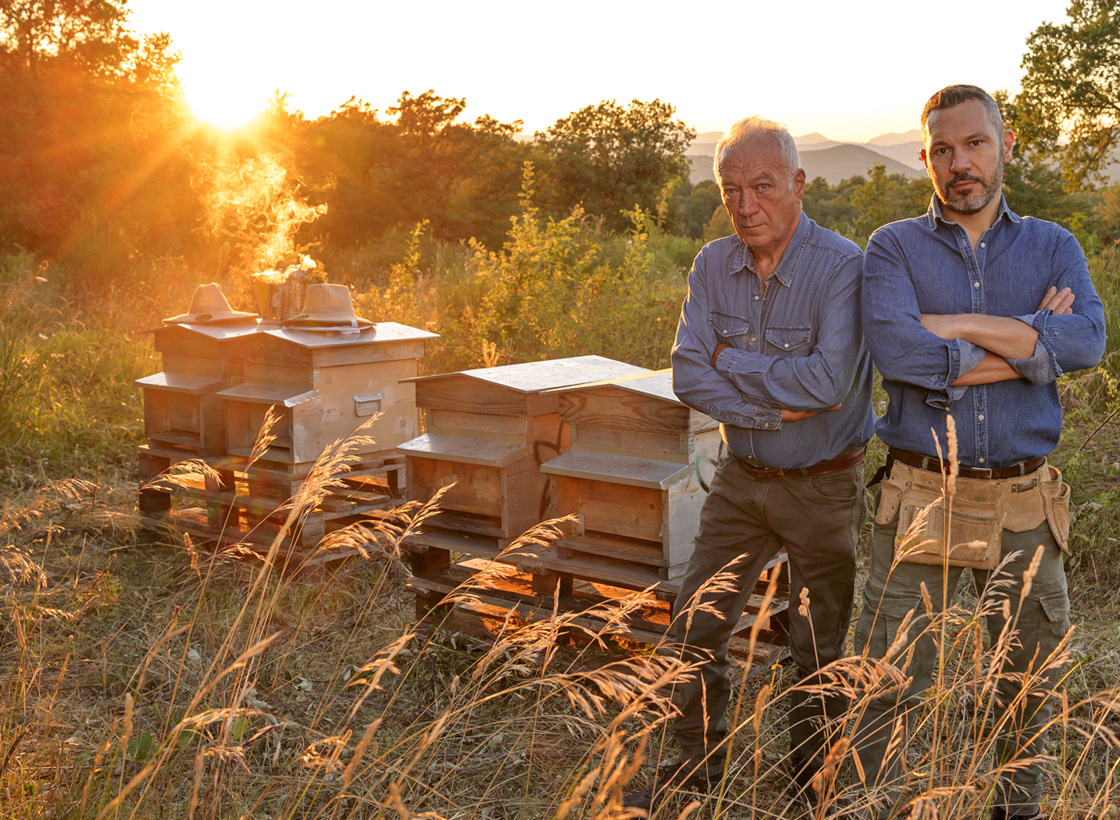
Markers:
(479, 589)
(434, 547)
(248, 504)
(443, 559)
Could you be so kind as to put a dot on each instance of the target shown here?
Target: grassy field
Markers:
(152, 678)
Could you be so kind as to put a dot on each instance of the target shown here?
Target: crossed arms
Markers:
(948, 352)
(1002, 337)
(757, 390)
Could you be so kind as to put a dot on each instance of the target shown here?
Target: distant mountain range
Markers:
(822, 157)
(836, 161)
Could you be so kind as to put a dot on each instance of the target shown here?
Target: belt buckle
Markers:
(760, 473)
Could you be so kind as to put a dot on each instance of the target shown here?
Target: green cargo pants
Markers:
(1040, 619)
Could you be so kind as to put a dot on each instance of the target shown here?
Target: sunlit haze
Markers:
(851, 71)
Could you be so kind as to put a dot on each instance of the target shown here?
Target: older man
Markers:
(972, 312)
(769, 344)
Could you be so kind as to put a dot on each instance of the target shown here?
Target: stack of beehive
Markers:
(321, 379)
(623, 459)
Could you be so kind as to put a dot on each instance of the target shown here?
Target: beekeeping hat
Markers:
(327, 307)
(209, 306)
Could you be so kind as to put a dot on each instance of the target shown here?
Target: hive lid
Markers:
(217, 332)
(380, 333)
(536, 377)
(180, 383)
(656, 384)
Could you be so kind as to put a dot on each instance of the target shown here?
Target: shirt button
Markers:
(981, 459)
(983, 244)
(756, 298)
(975, 284)
(786, 344)
(980, 417)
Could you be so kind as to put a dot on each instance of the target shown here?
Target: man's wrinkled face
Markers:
(965, 155)
(761, 194)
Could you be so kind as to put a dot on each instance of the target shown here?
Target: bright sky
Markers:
(850, 70)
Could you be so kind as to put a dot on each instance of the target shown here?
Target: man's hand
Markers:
(722, 346)
(1058, 301)
(798, 415)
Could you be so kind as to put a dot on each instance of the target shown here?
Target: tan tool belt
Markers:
(967, 532)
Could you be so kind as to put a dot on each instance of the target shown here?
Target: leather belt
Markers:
(760, 472)
(932, 465)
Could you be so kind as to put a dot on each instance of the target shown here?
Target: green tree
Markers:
(89, 160)
(697, 209)
(91, 36)
(566, 287)
(832, 206)
(1069, 107)
(463, 178)
(1034, 188)
(886, 198)
(609, 159)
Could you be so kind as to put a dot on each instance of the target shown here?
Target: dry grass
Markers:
(148, 680)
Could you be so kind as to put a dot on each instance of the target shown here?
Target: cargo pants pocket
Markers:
(889, 626)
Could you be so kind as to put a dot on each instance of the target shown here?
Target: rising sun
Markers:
(223, 104)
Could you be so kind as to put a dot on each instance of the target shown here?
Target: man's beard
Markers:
(972, 203)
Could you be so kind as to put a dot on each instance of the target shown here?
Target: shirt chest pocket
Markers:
(791, 341)
(731, 329)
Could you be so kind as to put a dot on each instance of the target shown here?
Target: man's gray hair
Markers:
(751, 127)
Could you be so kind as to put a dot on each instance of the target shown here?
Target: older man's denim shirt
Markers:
(928, 265)
(797, 344)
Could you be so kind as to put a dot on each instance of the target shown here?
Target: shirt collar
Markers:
(935, 215)
(744, 260)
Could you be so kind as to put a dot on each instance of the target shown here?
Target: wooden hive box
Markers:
(324, 386)
(631, 475)
(182, 411)
(486, 430)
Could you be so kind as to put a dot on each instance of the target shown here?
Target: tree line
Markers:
(101, 161)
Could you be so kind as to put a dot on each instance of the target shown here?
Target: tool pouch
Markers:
(1055, 503)
(965, 532)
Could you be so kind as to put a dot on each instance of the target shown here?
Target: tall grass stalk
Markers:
(149, 681)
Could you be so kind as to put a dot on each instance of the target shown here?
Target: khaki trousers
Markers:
(743, 525)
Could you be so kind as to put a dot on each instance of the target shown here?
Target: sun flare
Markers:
(223, 104)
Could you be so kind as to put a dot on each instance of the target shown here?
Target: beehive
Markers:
(324, 386)
(218, 385)
(181, 406)
(632, 473)
(488, 430)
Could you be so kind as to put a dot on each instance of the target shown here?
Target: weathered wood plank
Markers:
(464, 394)
(617, 509)
(661, 446)
(478, 488)
(478, 425)
(609, 406)
(616, 469)
(464, 449)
